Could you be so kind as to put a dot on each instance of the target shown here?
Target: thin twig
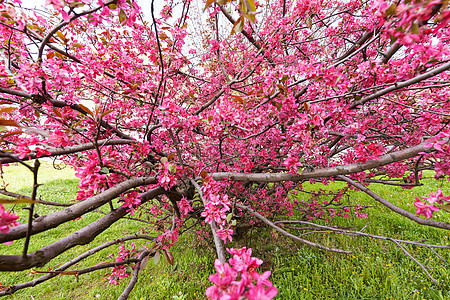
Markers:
(413, 258)
(294, 237)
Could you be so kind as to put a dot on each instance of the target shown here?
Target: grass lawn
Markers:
(376, 269)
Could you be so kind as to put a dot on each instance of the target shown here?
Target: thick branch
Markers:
(326, 172)
(402, 84)
(67, 150)
(83, 236)
(53, 220)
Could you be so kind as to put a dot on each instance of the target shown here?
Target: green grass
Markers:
(376, 270)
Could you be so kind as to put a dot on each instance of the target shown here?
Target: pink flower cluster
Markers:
(216, 209)
(292, 163)
(91, 179)
(166, 176)
(428, 209)
(168, 238)
(239, 279)
(131, 201)
(7, 220)
(119, 272)
(185, 207)
(23, 147)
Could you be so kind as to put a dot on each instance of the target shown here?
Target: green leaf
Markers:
(172, 168)
(104, 170)
(16, 201)
(414, 28)
(122, 16)
(238, 26)
(112, 6)
(129, 270)
(229, 216)
(391, 10)
(444, 207)
(156, 258)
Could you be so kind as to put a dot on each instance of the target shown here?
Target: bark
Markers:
(83, 236)
(55, 219)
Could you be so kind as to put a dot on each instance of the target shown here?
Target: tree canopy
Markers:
(211, 114)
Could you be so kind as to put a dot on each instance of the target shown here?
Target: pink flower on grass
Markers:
(437, 197)
(424, 209)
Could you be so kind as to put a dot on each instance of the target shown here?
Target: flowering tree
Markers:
(213, 124)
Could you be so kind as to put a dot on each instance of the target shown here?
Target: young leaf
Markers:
(156, 258)
(56, 112)
(7, 109)
(16, 201)
(391, 10)
(61, 36)
(144, 262)
(86, 110)
(122, 16)
(9, 123)
(78, 45)
(208, 4)
(444, 207)
(238, 26)
(414, 28)
(168, 256)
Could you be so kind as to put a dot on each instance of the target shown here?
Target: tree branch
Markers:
(83, 236)
(290, 235)
(326, 172)
(394, 208)
(53, 220)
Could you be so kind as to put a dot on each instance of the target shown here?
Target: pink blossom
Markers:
(423, 209)
(7, 220)
(225, 234)
(437, 197)
(239, 280)
(185, 206)
(131, 202)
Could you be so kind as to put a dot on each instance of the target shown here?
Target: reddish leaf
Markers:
(168, 256)
(9, 123)
(208, 4)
